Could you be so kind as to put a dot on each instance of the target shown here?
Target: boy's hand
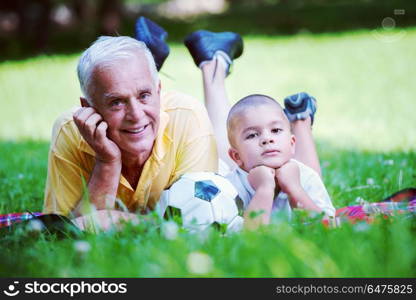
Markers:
(288, 177)
(262, 181)
(94, 130)
(262, 177)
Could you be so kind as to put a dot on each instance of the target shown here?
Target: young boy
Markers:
(263, 147)
(268, 171)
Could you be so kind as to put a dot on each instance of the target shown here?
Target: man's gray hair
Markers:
(107, 50)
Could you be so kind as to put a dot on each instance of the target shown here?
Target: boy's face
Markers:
(262, 136)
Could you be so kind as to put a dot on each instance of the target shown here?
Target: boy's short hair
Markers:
(245, 103)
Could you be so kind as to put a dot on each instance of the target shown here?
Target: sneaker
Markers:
(300, 106)
(205, 45)
(154, 37)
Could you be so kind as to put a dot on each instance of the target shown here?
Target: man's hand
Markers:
(105, 176)
(104, 220)
(262, 177)
(94, 130)
(288, 177)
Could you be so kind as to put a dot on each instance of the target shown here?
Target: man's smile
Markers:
(136, 131)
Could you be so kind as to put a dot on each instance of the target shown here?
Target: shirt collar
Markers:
(163, 140)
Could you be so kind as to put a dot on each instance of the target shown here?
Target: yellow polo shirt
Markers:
(185, 143)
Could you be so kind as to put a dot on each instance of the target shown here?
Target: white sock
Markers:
(222, 57)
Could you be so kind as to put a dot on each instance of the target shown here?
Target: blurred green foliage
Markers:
(254, 17)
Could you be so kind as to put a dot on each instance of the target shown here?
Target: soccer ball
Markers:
(200, 200)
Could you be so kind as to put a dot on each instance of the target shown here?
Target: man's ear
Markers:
(84, 102)
(235, 156)
(293, 143)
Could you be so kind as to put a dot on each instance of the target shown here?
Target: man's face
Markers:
(262, 137)
(127, 97)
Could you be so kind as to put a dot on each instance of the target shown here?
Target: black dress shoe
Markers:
(154, 37)
(203, 45)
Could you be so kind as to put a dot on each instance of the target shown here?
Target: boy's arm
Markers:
(316, 190)
(258, 211)
(288, 178)
(298, 198)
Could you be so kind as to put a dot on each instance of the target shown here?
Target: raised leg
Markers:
(213, 53)
(305, 150)
(217, 104)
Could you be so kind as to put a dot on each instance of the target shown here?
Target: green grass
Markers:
(365, 131)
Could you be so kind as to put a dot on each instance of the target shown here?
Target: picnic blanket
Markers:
(403, 201)
(51, 223)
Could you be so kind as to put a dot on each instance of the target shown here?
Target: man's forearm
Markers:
(102, 186)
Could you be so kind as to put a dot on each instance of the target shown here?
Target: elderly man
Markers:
(128, 141)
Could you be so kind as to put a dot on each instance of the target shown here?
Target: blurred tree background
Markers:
(31, 27)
